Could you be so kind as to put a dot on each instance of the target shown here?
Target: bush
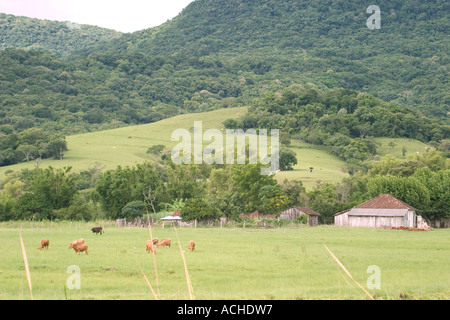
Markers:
(133, 210)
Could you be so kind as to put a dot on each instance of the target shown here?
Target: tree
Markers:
(272, 199)
(295, 192)
(123, 185)
(288, 159)
(231, 124)
(247, 184)
(27, 150)
(56, 147)
(408, 189)
(438, 185)
(133, 210)
(156, 149)
(198, 208)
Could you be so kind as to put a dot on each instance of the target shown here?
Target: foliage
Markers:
(198, 208)
(288, 159)
(59, 38)
(133, 209)
(119, 187)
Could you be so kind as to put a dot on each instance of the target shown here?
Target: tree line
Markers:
(345, 121)
(209, 192)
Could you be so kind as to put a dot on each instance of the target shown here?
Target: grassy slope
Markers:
(412, 147)
(327, 167)
(272, 264)
(115, 147)
(128, 146)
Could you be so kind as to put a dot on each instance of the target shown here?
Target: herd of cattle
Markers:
(79, 246)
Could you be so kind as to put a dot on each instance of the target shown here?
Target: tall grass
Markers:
(27, 269)
(228, 263)
(346, 271)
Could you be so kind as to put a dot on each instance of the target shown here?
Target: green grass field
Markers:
(127, 145)
(327, 167)
(412, 147)
(228, 263)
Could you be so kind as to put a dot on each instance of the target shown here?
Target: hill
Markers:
(59, 38)
(127, 146)
(326, 43)
(218, 54)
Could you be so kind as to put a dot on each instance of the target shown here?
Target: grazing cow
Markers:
(77, 241)
(44, 244)
(149, 246)
(97, 230)
(191, 245)
(80, 248)
(165, 242)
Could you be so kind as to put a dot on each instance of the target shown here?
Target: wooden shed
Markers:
(379, 212)
(294, 212)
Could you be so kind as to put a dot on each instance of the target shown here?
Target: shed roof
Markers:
(385, 201)
(171, 218)
(308, 211)
(175, 214)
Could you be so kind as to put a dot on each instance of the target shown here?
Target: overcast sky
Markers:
(120, 15)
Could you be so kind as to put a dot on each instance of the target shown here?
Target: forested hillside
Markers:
(59, 38)
(326, 43)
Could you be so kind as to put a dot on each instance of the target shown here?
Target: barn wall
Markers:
(382, 222)
(412, 219)
(374, 221)
(341, 220)
(290, 214)
(357, 221)
(313, 221)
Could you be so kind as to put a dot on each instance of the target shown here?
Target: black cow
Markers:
(97, 230)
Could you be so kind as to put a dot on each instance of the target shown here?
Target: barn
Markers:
(294, 212)
(379, 212)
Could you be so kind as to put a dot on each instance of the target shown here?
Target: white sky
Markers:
(120, 15)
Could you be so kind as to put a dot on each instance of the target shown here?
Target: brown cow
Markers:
(155, 240)
(191, 245)
(77, 241)
(149, 246)
(44, 244)
(80, 248)
(165, 242)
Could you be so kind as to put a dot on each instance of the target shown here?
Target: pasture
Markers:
(127, 146)
(228, 263)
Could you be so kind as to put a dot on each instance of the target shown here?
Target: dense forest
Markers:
(310, 68)
(58, 38)
(325, 43)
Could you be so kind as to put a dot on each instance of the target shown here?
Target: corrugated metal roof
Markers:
(378, 212)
